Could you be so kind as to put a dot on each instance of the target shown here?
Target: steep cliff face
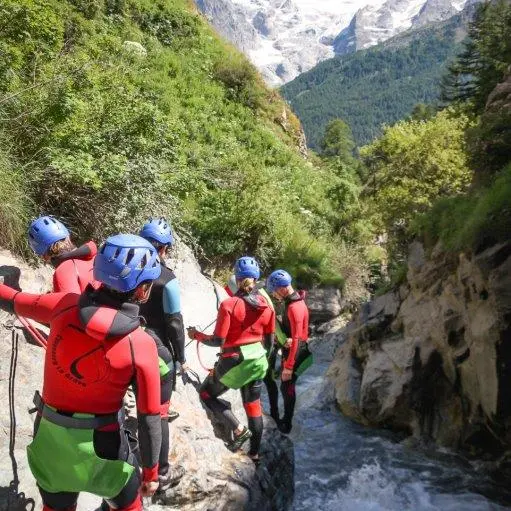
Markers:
(433, 359)
(215, 478)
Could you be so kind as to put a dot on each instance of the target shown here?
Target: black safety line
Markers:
(15, 499)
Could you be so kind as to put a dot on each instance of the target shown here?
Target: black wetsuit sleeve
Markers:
(214, 342)
(175, 335)
(147, 392)
(269, 342)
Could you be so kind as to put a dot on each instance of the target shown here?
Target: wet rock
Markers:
(387, 373)
(235, 483)
(346, 374)
(29, 374)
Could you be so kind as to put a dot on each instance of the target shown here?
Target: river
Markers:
(341, 466)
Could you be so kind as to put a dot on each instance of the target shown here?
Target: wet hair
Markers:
(61, 247)
(246, 285)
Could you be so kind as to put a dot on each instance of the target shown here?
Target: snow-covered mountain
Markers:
(374, 24)
(284, 38)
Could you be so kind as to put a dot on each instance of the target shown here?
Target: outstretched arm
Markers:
(223, 322)
(37, 307)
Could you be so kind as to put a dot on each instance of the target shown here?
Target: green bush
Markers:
(471, 222)
(169, 25)
(134, 108)
(241, 79)
(412, 165)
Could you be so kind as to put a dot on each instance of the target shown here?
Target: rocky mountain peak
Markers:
(285, 38)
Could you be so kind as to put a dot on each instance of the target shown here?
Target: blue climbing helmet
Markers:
(247, 267)
(278, 278)
(125, 261)
(44, 232)
(157, 229)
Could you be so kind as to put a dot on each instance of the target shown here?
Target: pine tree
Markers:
(338, 141)
(485, 58)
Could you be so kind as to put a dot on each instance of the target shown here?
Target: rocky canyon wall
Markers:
(433, 358)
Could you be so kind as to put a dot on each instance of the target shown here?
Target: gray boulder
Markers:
(324, 304)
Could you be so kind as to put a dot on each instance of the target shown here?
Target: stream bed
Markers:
(342, 466)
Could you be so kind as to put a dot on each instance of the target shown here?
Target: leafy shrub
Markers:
(414, 164)
(471, 222)
(112, 136)
(27, 30)
(169, 26)
(117, 203)
(241, 79)
(89, 8)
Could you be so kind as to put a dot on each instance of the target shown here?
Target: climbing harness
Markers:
(16, 500)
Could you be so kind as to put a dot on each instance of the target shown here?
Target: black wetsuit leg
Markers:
(251, 396)
(212, 388)
(115, 445)
(288, 388)
(62, 501)
(271, 386)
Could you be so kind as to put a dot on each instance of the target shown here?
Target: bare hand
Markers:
(192, 332)
(148, 489)
(287, 374)
(289, 343)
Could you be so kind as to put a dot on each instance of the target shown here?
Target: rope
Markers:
(187, 378)
(32, 330)
(197, 347)
(15, 499)
(207, 369)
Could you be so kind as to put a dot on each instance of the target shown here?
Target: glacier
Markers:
(284, 38)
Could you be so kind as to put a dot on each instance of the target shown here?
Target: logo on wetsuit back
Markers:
(78, 367)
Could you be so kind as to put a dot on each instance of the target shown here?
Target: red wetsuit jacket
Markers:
(295, 324)
(242, 319)
(73, 270)
(96, 350)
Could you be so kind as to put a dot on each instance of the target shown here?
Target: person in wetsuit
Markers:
(271, 350)
(245, 322)
(96, 350)
(296, 356)
(50, 239)
(164, 323)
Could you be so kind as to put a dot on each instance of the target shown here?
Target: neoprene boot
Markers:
(171, 478)
(239, 440)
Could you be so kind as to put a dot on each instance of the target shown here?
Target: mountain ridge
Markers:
(286, 39)
(379, 85)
